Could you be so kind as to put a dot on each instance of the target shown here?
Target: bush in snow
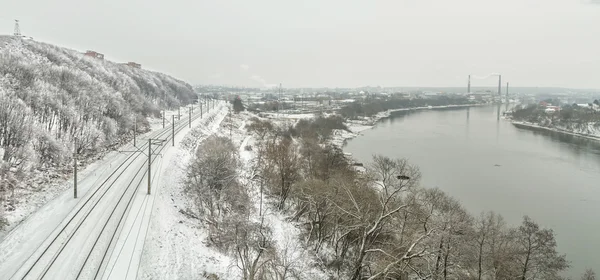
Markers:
(213, 186)
(238, 106)
(223, 205)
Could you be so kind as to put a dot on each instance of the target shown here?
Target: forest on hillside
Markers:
(51, 95)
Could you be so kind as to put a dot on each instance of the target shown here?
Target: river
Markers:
(488, 164)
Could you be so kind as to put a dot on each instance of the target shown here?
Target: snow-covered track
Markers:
(97, 219)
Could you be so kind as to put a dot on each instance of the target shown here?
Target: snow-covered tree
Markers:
(50, 95)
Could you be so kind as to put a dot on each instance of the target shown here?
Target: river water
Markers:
(488, 164)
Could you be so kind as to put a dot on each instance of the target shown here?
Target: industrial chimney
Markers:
(469, 85)
(499, 85)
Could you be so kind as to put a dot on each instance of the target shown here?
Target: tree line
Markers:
(573, 117)
(373, 224)
(50, 95)
(372, 106)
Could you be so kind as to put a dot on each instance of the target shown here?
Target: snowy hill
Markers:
(50, 96)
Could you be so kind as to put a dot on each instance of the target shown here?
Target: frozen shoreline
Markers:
(528, 125)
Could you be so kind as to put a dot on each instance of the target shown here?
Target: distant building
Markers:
(134, 65)
(403, 95)
(94, 54)
(551, 109)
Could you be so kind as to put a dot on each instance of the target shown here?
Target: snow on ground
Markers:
(174, 246)
(285, 234)
(157, 123)
(591, 131)
(26, 236)
(125, 260)
(44, 186)
(4, 40)
(22, 241)
(289, 116)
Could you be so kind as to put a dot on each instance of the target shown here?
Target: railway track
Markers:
(80, 246)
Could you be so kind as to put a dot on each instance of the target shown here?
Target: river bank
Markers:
(533, 126)
(490, 164)
(355, 127)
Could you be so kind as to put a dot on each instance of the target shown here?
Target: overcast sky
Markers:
(330, 43)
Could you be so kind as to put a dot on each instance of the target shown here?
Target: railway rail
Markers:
(97, 219)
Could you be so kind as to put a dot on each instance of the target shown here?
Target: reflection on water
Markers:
(576, 143)
(552, 177)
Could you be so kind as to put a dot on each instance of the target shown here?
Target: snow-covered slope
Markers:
(51, 96)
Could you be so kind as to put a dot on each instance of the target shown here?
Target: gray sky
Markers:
(331, 43)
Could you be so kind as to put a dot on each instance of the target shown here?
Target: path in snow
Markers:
(174, 247)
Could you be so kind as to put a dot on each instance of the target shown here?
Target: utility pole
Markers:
(163, 118)
(150, 143)
(75, 168)
(17, 28)
(200, 109)
(190, 122)
(230, 123)
(134, 130)
(173, 131)
(179, 113)
(149, 164)
(280, 106)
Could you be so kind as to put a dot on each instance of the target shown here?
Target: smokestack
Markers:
(499, 85)
(469, 85)
(507, 92)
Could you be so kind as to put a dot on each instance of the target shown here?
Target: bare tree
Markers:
(281, 167)
(289, 262)
(589, 274)
(260, 127)
(3, 221)
(537, 253)
(488, 232)
(372, 205)
(252, 248)
(448, 246)
(212, 183)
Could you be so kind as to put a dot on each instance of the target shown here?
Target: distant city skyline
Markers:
(331, 43)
